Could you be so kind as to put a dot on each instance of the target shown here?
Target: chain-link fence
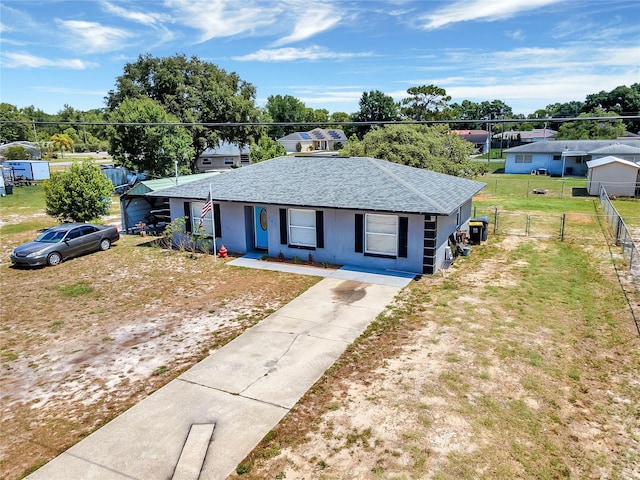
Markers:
(568, 227)
(621, 234)
(537, 185)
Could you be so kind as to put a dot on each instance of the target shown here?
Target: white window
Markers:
(381, 234)
(524, 158)
(302, 227)
(206, 161)
(228, 160)
(196, 211)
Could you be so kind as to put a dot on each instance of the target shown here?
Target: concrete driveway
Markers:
(205, 422)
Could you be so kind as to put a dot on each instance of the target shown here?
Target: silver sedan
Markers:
(65, 241)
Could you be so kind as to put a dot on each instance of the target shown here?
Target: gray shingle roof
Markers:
(558, 146)
(359, 183)
(617, 149)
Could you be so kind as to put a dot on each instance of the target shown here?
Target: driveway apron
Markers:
(206, 421)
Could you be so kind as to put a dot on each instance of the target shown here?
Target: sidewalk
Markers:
(233, 398)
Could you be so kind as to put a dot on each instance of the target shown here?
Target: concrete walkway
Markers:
(205, 422)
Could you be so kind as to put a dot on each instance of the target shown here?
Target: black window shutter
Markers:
(216, 220)
(359, 233)
(319, 229)
(283, 226)
(403, 236)
(187, 217)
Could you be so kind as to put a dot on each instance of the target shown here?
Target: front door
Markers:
(260, 221)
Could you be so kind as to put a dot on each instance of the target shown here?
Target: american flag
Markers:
(206, 209)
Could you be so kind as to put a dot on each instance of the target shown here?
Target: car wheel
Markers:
(105, 244)
(54, 259)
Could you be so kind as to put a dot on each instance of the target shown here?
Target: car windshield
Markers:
(51, 236)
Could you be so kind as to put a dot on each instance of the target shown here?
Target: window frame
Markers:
(524, 158)
(367, 233)
(291, 228)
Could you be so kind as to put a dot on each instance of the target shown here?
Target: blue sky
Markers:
(528, 53)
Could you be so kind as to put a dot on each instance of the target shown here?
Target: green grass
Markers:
(29, 198)
(629, 209)
(76, 289)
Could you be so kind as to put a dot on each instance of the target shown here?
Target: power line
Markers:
(319, 123)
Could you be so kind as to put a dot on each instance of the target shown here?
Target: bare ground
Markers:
(82, 342)
(460, 386)
(465, 387)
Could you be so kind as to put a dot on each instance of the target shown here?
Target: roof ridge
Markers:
(380, 166)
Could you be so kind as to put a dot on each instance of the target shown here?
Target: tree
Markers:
(193, 91)
(427, 102)
(375, 106)
(283, 109)
(592, 129)
(153, 148)
(19, 128)
(339, 117)
(80, 194)
(265, 149)
(17, 152)
(62, 142)
(422, 146)
(467, 110)
(621, 100)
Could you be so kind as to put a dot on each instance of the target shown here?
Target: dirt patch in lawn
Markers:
(84, 341)
(472, 375)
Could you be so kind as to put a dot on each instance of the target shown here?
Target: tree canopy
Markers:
(265, 149)
(426, 102)
(375, 106)
(80, 194)
(592, 129)
(148, 148)
(286, 109)
(432, 147)
(621, 100)
(62, 142)
(192, 91)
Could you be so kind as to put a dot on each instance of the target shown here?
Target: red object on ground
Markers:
(222, 253)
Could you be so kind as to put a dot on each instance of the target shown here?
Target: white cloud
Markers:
(218, 18)
(26, 60)
(148, 18)
(516, 35)
(480, 10)
(74, 91)
(92, 37)
(314, 52)
(314, 21)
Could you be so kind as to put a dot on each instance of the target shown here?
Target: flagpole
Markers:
(213, 226)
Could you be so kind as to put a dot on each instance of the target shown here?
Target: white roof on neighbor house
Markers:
(598, 162)
(225, 149)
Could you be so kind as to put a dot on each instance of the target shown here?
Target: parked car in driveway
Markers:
(65, 241)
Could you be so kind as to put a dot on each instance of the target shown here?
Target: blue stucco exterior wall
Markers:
(576, 165)
(339, 236)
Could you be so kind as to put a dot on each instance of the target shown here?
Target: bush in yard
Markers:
(17, 152)
(80, 194)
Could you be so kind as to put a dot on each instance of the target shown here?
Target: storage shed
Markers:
(618, 176)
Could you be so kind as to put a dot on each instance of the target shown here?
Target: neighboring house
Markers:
(521, 137)
(225, 156)
(618, 176)
(559, 157)
(316, 139)
(618, 150)
(136, 207)
(477, 137)
(354, 211)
